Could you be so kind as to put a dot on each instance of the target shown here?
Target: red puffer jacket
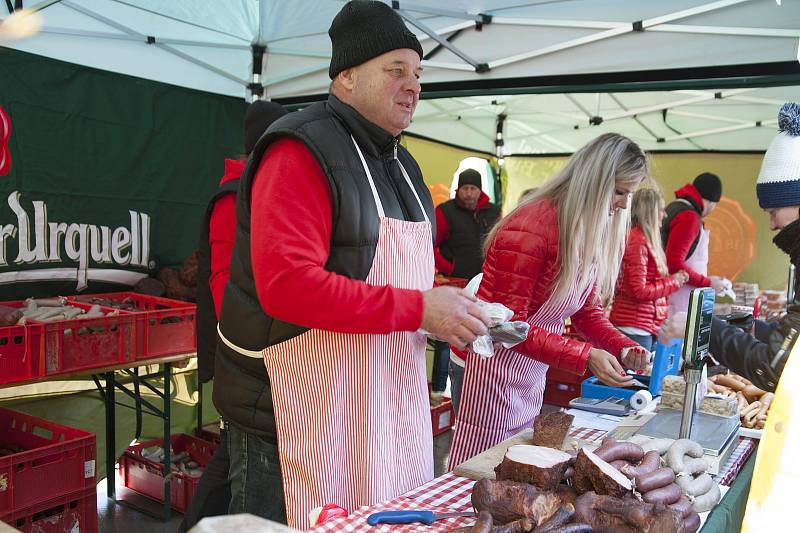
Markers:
(641, 300)
(519, 271)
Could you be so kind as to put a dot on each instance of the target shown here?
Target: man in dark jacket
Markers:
(330, 283)
(761, 357)
(461, 227)
(686, 239)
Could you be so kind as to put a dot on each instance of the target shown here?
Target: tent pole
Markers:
(498, 152)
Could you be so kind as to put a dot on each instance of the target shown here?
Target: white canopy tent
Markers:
(584, 64)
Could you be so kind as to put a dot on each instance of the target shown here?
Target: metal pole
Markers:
(790, 291)
(693, 377)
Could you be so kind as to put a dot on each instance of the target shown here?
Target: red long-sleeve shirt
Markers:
(221, 234)
(683, 231)
(291, 223)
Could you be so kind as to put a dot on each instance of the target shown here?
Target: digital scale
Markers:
(714, 433)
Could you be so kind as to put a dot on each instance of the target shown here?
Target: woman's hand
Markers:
(681, 277)
(607, 369)
(634, 357)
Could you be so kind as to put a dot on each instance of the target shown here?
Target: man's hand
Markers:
(634, 357)
(451, 315)
(672, 328)
(607, 369)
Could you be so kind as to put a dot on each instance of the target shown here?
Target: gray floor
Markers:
(116, 518)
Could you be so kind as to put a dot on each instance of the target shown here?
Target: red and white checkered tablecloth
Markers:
(450, 493)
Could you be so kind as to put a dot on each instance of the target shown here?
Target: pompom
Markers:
(789, 119)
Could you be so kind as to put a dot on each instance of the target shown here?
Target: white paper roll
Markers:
(641, 399)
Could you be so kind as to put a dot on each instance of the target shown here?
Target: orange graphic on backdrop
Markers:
(733, 239)
(440, 193)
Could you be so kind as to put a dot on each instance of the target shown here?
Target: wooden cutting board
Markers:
(482, 465)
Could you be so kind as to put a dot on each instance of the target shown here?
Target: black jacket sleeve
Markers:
(760, 362)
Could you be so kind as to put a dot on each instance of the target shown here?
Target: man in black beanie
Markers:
(331, 282)
(686, 239)
(462, 224)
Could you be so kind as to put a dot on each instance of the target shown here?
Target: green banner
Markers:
(109, 175)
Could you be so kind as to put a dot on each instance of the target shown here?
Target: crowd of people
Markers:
(320, 254)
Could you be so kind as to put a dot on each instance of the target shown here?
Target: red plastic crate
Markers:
(21, 352)
(84, 343)
(56, 460)
(442, 417)
(74, 512)
(163, 327)
(563, 386)
(145, 476)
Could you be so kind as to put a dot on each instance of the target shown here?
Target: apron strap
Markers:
(408, 180)
(378, 204)
(238, 349)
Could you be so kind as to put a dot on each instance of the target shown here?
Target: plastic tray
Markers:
(146, 476)
(56, 460)
(442, 416)
(21, 352)
(163, 326)
(667, 362)
(70, 513)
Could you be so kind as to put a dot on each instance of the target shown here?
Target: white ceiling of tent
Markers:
(205, 45)
(730, 119)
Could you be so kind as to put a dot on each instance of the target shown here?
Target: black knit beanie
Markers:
(366, 29)
(259, 115)
(709, 186)
(469, 177)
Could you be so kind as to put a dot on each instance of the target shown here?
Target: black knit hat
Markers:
(469, 176)
(260, 114)
(366, 29)
(709, 186)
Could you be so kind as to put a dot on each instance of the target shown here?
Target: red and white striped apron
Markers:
(698, 261)
(502, 394)
(352, 411)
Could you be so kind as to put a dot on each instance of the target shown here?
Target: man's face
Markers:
(467, 196)
(780, 217)
(385, 89)
(708, 206)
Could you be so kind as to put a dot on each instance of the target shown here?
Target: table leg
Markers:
(167, 442)
(111, 445)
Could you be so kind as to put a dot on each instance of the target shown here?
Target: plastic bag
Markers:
(500, 329)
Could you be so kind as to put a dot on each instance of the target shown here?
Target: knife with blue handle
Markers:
(409, 517)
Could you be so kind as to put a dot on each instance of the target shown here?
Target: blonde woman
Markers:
(555, 256)
(640, 305)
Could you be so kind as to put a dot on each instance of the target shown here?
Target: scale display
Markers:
(698, 327)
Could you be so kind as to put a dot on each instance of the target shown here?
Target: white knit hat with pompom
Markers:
(779, 180)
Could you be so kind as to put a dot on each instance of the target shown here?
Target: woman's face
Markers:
(623, 190)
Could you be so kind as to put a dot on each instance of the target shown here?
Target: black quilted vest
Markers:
(467, 231)
(241, 390)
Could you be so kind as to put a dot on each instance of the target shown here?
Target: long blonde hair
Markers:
(583, 190)
(646, 213)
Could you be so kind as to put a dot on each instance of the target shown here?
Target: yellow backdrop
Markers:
(741, 241)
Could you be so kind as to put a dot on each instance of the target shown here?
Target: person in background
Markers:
(555, 256)
(462, 224)
(217, 234)
(640, 303)
(761, 357)
(686, 238)
(331, 282)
